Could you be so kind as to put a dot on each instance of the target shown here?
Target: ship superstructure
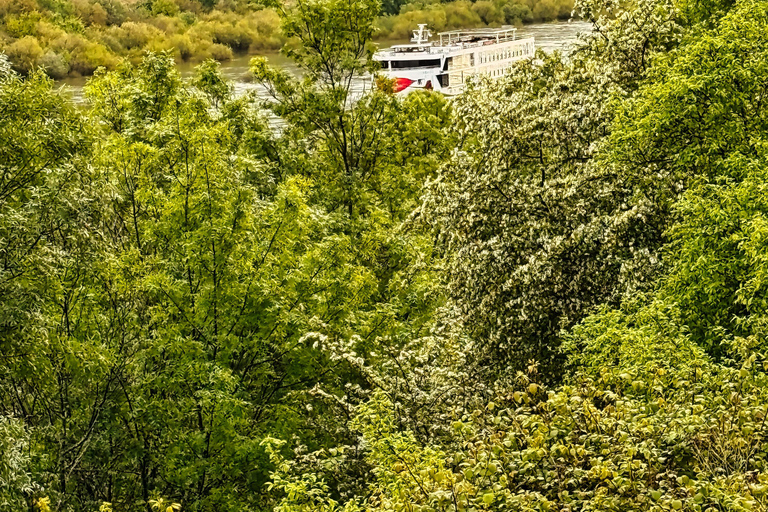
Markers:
(446, 65)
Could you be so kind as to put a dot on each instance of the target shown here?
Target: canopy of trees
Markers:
(546, 294)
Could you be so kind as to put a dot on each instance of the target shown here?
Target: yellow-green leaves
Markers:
(161, 505)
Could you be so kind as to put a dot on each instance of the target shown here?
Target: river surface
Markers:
(557, 35)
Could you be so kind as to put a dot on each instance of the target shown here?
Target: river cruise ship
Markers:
(446, 65)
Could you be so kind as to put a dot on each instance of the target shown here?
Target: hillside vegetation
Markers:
(547, 294)
(461, 14)
(74, 37)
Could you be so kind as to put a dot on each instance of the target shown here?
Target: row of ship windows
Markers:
(495, 72)
(492, 57)
(460, 78)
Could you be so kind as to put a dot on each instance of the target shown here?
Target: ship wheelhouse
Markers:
(459, 54)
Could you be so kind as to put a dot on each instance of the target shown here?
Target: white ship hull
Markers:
(446, 66)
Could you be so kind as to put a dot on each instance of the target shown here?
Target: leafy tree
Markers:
(47, 250)
(16, 486)
(367, 154)
(333, 50)
(700, 124)
(538, 231)
(192, 290)
(391, 6)
(210, 82)
(222, 283)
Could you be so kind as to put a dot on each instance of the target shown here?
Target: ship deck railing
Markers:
(436, 50)
(505, 33)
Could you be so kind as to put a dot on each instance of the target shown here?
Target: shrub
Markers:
(98, 15)
(110, 41)
(63, 8)
(201, 32)
(267, 26)
(69, 23)
(460, 15)
(24, 54)
(406, 22)
(188, 18)
(274, 42)
(551, 9)
(266, 20)
(165, 7)
(48, 32)
(168, 24)
(189, 6)
(220, 52)
(236, 37)
(515, 14)
(21, 25)
(183, 46)
(54, 65)
(488, 12)
(384, 26)
(117, 13)
(67, 43)
(231, 5)
(90, 56)
(17, 6)
(161, 45)
(134, 35)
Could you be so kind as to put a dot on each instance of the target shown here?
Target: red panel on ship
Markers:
(402, 83)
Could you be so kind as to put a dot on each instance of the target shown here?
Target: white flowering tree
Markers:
(538, 226)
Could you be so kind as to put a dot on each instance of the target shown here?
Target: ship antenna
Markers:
(421, 35)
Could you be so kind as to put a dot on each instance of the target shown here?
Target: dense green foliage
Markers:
(539, 227)
(179, 281)
(74, 37)
(462, 14)
(546, 294)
